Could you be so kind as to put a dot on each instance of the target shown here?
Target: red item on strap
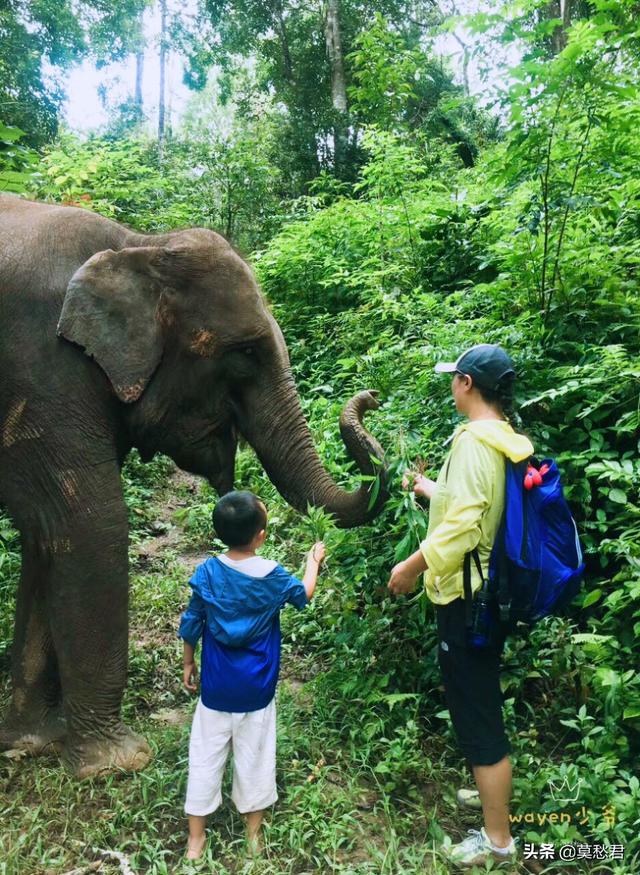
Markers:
(532, 478)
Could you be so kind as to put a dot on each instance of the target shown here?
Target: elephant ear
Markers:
(113, 309)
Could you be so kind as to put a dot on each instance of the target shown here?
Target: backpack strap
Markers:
(466, 582)
(502, 569)
(466, 586)
(502, 565)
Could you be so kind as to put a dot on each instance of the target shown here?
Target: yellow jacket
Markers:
(467, 506)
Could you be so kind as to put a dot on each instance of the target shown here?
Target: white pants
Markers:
(252, 736)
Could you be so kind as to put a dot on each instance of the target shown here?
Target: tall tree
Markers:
(54, 34)
(139, 45)
(338, 84)
(139, 80)
(163, 64)
(302, 57)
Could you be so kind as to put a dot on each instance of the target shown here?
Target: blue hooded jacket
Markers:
(238, 618)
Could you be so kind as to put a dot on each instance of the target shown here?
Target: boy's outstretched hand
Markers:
(315, 557)
(317, 553)
(190, 677)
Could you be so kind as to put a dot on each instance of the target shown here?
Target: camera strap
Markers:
(466, 583)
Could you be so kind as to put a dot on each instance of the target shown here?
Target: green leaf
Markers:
(593, 639)
(592, 597)
(10, 134)
(618, 496)
(374, 493)
(393, 698)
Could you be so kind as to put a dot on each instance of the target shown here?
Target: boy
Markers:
(235, 607)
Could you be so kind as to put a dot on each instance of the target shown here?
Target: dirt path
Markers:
(166, 533)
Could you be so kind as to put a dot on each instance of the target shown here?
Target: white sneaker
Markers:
(476, 849)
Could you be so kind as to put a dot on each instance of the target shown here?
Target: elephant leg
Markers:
(89, 623)
(34, 719)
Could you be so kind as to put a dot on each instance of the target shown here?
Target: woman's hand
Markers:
(403, 579)
(424, 486)
(421, 485)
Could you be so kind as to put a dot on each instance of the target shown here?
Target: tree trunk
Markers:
(338, 87)
(163, 64)
(465, 64)
(560, 9)
(284, 43)
(334, 51)
(139, 75)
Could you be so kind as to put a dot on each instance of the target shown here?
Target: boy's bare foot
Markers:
(255, 845)
(195, 847)
(253, 820)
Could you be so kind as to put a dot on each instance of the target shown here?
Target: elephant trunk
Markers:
(280, 435)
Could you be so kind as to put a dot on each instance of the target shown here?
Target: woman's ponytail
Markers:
(502, 396)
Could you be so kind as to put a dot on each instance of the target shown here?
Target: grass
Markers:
(333, 814)
(364, 786)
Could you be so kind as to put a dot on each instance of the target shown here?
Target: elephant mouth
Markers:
(208, 450)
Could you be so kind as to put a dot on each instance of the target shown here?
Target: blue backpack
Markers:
(536, 563)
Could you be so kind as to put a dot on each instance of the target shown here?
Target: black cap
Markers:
(486, 363)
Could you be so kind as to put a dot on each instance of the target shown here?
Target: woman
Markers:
(467, 503)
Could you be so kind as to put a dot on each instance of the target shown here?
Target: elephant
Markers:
(111, 339)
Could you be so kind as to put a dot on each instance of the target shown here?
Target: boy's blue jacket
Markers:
(237, 617)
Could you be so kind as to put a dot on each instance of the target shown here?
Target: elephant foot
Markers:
(120, 749)
(34, 735)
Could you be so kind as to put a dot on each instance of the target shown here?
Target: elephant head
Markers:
(195, 358)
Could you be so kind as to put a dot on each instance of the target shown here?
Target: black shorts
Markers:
(471, 678)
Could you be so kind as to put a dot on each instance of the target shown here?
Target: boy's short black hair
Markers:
(238, 517)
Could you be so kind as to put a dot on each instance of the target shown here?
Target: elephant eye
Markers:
(248, 350)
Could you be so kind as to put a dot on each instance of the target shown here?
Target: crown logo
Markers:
(565, 791)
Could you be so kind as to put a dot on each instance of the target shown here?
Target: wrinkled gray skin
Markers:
(108, 340)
